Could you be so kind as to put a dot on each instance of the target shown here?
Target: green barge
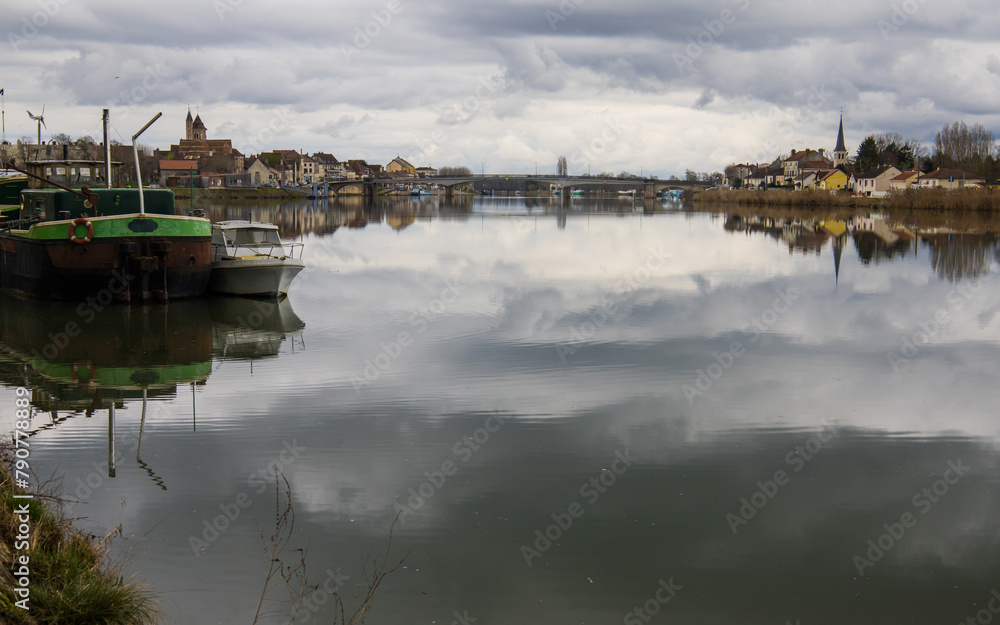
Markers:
(109, 244)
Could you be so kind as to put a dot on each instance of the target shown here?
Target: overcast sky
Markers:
(639, 85)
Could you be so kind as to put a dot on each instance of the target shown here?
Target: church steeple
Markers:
(189, 126)
(840, 152)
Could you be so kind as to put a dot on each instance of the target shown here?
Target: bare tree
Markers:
(123, 153)
(894, 143)
(965, 147)
(454, 171)
(562, 168)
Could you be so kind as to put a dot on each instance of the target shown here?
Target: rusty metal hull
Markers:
(116, 269)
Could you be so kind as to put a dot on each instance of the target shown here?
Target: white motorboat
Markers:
(249, 258)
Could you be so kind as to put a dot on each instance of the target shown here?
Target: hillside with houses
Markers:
(963, 157)
(215, 163)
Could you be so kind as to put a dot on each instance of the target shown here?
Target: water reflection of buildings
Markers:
(78, 361)
(877, 241)
(955, 256)
(399, 212)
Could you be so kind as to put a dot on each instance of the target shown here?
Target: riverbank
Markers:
(781, 197)
(971, 199)
(209, 195)
(967, 221)
(69, 575)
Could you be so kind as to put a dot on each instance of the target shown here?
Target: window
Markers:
(253, 236)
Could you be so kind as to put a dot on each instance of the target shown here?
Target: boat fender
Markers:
(75, 374)
(81, 221)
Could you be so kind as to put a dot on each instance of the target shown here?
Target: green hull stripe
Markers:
(125, 377)
(117, 227)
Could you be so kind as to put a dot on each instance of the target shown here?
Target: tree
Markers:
(673, 177)
(562, 169)
(717, 178)
(217, 164)
(914, 147)
(963, 147)
(123, 154)
(62, 138)
(690, 175)
(454, 171)
(868, 155)
(87, 148)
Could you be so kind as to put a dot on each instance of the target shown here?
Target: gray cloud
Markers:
(410, 62)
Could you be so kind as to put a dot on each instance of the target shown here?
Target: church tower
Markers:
(840, 152)
(198, 130)
(189, 127)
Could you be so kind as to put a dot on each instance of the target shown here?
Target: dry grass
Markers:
(972, 199)
(780, 197)
(74, 581)
(289, 566)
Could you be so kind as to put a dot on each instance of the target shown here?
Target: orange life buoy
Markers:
(81, 221)
(75, 375)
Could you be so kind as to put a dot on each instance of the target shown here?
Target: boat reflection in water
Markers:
(248, 329)
(78, 359)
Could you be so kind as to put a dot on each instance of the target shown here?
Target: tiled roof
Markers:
(875, 173)
(176, 165)
(957, 174)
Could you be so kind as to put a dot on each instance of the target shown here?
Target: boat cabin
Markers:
(72, 173)
(38, 205)
(241, 239)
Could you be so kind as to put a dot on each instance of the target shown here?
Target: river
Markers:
(592, 412)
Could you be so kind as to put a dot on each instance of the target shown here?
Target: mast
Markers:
(107, 148)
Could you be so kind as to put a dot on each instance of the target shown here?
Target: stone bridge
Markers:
(650, 187)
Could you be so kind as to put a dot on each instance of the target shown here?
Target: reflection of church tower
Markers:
(838, 251)
(188, 126)
(840, 152)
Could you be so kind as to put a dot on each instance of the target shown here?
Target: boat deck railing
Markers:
(259, 250)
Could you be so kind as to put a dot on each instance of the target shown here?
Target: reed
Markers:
(780, 197)
(971, 199)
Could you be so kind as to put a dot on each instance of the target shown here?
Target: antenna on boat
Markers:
(135, 154)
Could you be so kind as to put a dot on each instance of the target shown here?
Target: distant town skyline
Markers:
(633, 85)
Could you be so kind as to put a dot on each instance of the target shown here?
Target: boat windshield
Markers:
(252, 236)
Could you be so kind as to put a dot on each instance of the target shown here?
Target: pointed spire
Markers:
(189, 118)
(840, 137)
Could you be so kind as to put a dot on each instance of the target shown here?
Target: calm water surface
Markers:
(593, 415)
